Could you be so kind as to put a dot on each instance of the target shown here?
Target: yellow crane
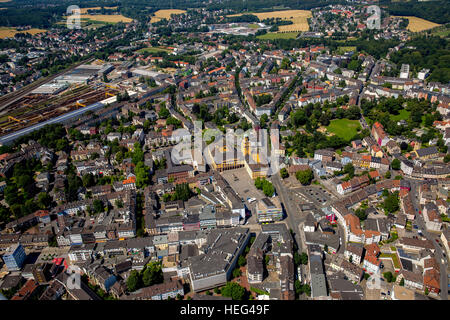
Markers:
(80, 104)
(109, 94)
(10, 118)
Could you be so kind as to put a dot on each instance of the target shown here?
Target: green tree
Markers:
(350, 170)
(88, 180)
(298, 287)
(119, 203)
(304, 176)
(306, 289)
(263, 121)
(391, 203)
(304, 258)
(395, 164)
(133, 281)
(152, 274)
(98, 206)
(447, 158)
(44, 200)
(284, 173)
(164, 113)
(389, 276)
(361, 214)
(242, 261)
(142, 175)
(233, 290)
(297, 259)
(387, 175)
(265, 185)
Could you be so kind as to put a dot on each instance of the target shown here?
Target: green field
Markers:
(153, 50)
(342, 50)
(275, 35)
(403, 115)
(344, 128)
(253, 26)
(442, 33)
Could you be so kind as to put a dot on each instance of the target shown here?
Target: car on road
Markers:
(415, 226)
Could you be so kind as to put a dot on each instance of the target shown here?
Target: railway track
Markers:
(10, 98)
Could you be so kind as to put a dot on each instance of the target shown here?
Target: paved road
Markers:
(292, 221)
(431, 236)
(291, 211)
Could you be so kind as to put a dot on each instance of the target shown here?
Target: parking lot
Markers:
(313, 194)
(240, 181)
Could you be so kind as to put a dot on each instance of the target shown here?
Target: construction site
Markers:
(34, 107)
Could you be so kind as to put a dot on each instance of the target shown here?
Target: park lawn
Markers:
(278, 35)
(342, 50)
(344, 128)
(403, 115)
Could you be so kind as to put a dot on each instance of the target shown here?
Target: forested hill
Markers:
(43, 13)
(435, 11)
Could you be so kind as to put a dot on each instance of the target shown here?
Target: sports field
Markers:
(418, 24)
(344, 128)
(298, 17)
(165, 14)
